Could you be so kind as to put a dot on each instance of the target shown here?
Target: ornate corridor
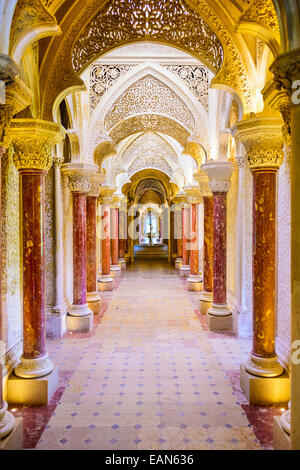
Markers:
(149, 251)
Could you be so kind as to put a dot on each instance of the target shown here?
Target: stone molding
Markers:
(263, 141)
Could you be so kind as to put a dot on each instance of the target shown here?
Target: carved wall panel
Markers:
(168, 21)
(149, 95)
(153, 162)
(11, 257)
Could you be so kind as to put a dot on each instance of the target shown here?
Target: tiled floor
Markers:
(150, 376)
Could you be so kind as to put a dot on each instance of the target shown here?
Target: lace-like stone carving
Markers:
(149, 95)
(156, 163)
(169, 21)
(102, 77)
(151, 144)
(195, 78)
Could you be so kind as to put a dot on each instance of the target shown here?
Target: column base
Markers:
(264, 367)
(115, 270)
(34, 368)
(265, 390)
(122, 264)
(281, 439)
(178, 263)
(79, 311)
(7, 422)
(185, 270)
(56, 321)
(106, 283)
(94, 302)
(194, 283)
(79, 324)
(14, 441)
(36, 391)
(219, 318)
(205, 301)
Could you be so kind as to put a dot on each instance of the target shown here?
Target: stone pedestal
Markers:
(106, 283)
(265, 390)
(178, 263)
(94, 302)
(281, 439)
(122, 263)
(80, 324)
(194, 283)
(185, 270)
(219, 317)
(37, 391)
(14, 441)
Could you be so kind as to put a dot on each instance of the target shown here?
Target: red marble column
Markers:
(219, 248)
(185, 235)
(208, 250)
(264, 274)
(91, 214)
(115, 235)
(122, 234)
(34, 361)
(106, 239)
(79, 250)
(194, 252)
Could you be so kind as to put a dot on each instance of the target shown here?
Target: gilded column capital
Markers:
(33, 140)
(180, 198)
(106, 193)
(286, 69)
(263, 141)
(58, 161)
(219, 175)
(6, 114)
(80, 176)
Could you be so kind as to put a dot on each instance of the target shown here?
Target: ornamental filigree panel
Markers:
(167, 21)
(149, 122)
(195, 78)
(150, 143)
(102, 77)
(153, 162)
(149, 96)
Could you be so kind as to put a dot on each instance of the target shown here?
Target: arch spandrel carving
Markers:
(149, 95)
(166, 21)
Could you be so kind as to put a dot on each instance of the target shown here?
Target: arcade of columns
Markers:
(33, 141)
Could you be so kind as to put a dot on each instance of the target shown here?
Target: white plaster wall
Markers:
(283, 330)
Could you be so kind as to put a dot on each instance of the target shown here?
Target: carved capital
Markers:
(219, 175)
(6, 114)
(80, 176)
(263, 141)
(106, 193)
(58, 161)
(33, 140)
(202, 180)
(286, 70)
(193, 193)
(96, 181)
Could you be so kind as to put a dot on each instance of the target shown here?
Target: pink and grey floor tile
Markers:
(149, 376)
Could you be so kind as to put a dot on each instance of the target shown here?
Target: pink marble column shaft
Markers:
(79, 249)
(91, 214)
(220, 247)
(115, 236)
(2, 153)
(208, 251)
(185, 235)
(105, 239)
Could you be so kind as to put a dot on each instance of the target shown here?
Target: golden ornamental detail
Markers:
(6, 114)
(79, 183)
(265, 151)
(32, 153)
(263, 12)
(171, 21)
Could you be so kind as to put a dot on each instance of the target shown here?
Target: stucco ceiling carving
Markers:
(149, 122)
(263, 12)
(168, 21)
(149, 96)
(149, 143)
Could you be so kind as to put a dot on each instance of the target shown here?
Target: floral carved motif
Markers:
(144, 162)
(172, 21)
(34, 153)
(149, 143)
(195, 78)
(149, 95)
(149, 122)
(263, 12)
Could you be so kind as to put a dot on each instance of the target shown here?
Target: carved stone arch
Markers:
(162, 75)
(31, 21)
(260, 20)
(149, 122)
(145, 162)
(152, 143)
